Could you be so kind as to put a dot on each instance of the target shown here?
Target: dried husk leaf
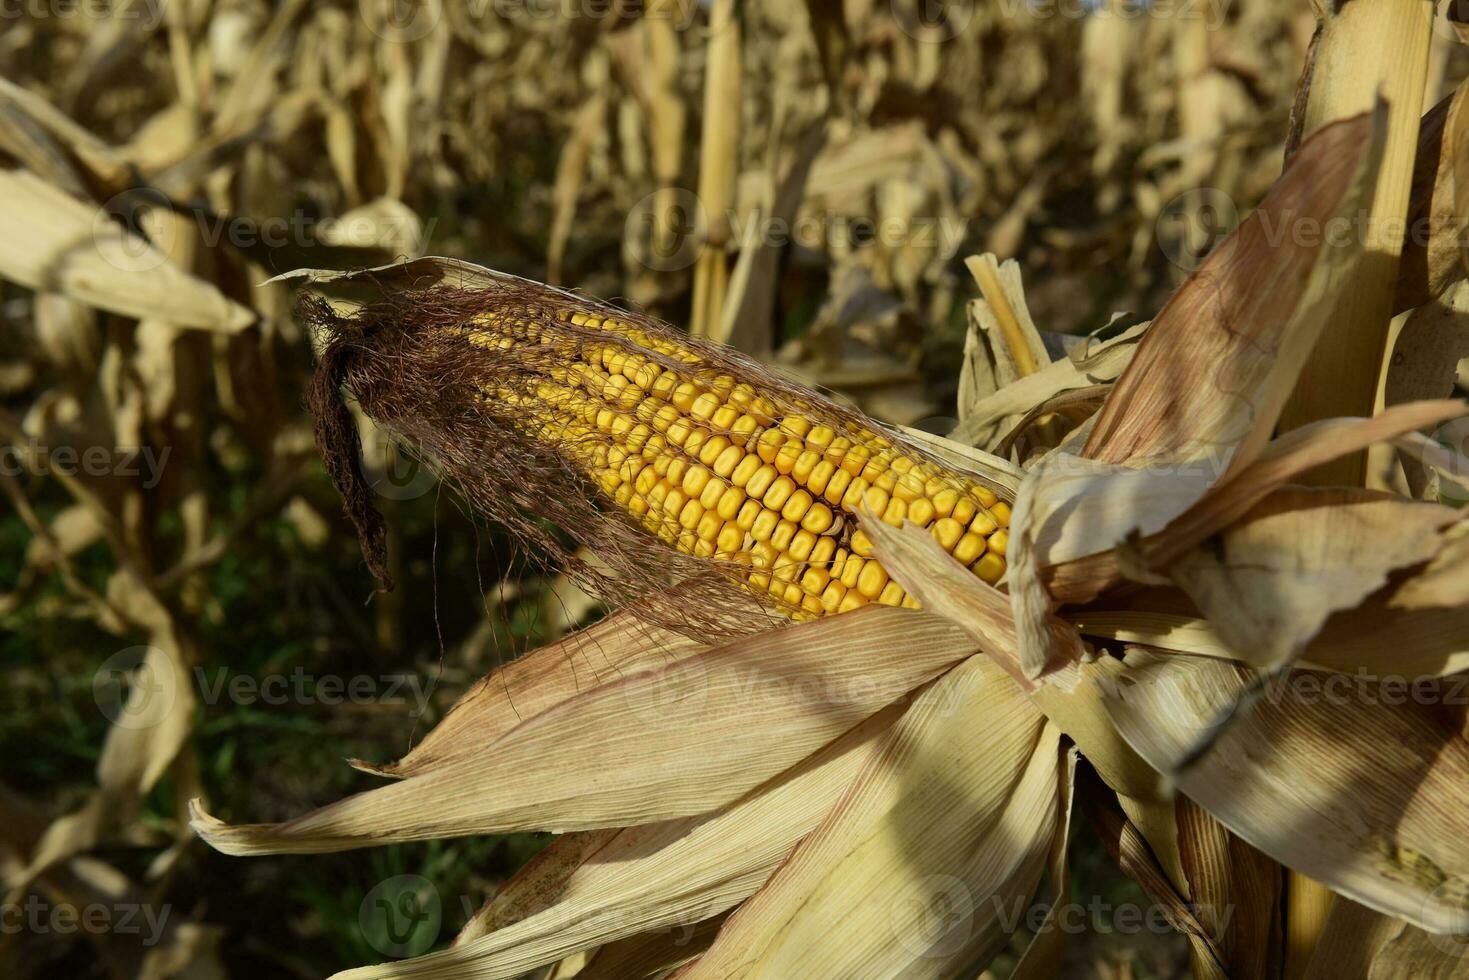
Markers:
(709, 729)
(1433, 255)
(61, 245)
(931, 830)
(1219, 361)
(594, 888)
(621, 644)
(1362, 794)
(1270, 581)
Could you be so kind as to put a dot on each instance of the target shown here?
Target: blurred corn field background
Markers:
(803, 181)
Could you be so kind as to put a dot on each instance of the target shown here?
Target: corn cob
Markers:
(719, 470)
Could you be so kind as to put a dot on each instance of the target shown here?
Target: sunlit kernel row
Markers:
(718, 470)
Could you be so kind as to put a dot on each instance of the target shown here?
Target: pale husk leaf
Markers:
(656, 745)
(598, 887)
(1367, 797)
(933, 833)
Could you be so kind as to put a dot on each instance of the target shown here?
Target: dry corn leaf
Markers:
(710, 728)
(911, 874)
(619, 645)
(1213, 372)
(1090, 364)
(1359, 942)
(1433, 256)
(603, 886)
(59, 244)
(1082, 579)
(1270, 581)
(1360, 792)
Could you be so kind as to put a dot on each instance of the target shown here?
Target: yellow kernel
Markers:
(764, 525)
(730, 539)
(782, 535)
(769, 444)
(964, 511)
(836, 489)
(855, 459)
(872, 579)
(984, 524)
(820, 437)
(985, 496)
(744, 470)
(820, 474)
(712, 448)
(856, 490)
(861, 544)
(802, 542)
(852, 571)
(909, 487)
(891, 594)
(764, 555)
(998, 542)
(730, 502)
(824, 549)
(708, 527)
(895, 512)
(743, 428)
(786, 457)
(832, 596)
(795, 425)
(695, 480)
(817, 519)
(815, 579)
(803, 467)
(679, 431)
(947, 532)
(970, 547)
(749, 511)
(810, 603)
(796, 505)
(712, 494)
(759, 581)
(852, 600)
(703, 407)
(723, 418)
(875, 500)
(673, 503)
(1001, 510)
(990, 567)
(684, 395)
(921, 511)
(664, 417)
(761, 481)
(724, 464)
(910, 603)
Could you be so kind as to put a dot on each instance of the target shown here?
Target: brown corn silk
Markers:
(668, 458)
